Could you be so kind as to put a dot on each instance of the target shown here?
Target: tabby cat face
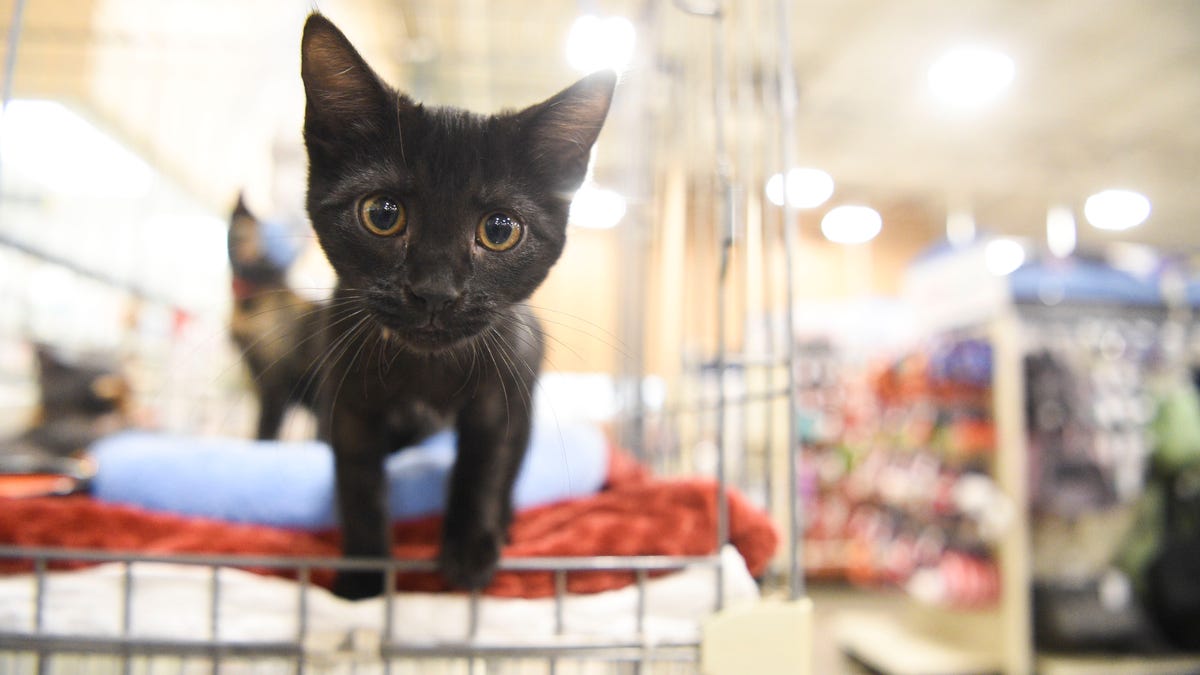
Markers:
(438, 219)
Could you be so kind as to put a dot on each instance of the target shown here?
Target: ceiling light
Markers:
(1060, 231)
(806, 188)
(1004, 256)
(1116, 209)
(598, 44)
(851, 224)
(968, 77)
(596, 208)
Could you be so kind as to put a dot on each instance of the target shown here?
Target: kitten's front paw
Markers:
(358, 585)
(469, 561)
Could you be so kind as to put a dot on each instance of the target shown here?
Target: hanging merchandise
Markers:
(913, 504)
(1095, 522)
(1088, 407)
(1066, 478)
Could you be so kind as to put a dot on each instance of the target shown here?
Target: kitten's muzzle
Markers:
(434, 297)
(408, 318)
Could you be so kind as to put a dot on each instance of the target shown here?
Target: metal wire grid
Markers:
(42, 652)
(44, 647)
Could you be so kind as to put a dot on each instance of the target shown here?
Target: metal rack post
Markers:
(787, 121)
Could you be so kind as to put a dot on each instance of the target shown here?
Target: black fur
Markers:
(427, 327)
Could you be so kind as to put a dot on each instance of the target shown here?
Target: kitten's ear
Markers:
(47, 359)
(240, 209)
(338, 83)
(243, 237)
(563, 128)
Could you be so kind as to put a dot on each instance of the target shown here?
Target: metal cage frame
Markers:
(39, 648)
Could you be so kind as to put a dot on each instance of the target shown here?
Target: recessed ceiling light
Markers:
(1060, 231)
(806, 188)
(968, 77)
(851, 224)
(1003, 256)
(1116, 209)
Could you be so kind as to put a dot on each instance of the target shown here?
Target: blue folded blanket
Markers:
(291, 484)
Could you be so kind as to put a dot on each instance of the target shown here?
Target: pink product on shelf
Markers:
(971, 580)
(958, 579)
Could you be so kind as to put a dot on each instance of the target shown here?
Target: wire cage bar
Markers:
(378, 643)
(298, 648)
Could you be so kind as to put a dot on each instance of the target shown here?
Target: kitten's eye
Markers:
(382, 215)
(499, 232)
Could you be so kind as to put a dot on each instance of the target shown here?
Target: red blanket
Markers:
(634, 515)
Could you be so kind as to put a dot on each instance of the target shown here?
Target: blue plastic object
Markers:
(291, 484)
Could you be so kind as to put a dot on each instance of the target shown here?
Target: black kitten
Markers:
(439, 223)
(276, 329)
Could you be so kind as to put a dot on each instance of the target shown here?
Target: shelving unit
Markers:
(951, 297)
(987, 630)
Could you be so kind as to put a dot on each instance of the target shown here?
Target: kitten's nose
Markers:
(435, 296)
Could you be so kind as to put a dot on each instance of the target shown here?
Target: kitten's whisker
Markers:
(475, 368)
(497, 340)
(396, 351)
(529, 341)
(314, 307)
(495, 365)
(507, 355)
(304, 393)
(331, 321)
(282, 330)
(546, 335)
(345, 343)
(469, 372)
(562, 442)
(503, 387)
(619, 346)
(352, 337)
(333, 351)
(276, 334)
(303, 389)
(382, 365)
(361, 338)
(602, 341)
(536, 382)
(580, 319)
(529, 338)
(338, 347)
